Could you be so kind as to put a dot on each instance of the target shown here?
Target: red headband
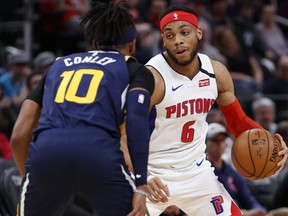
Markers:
(178, 16)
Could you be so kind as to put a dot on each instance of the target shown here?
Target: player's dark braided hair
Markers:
(106, 22)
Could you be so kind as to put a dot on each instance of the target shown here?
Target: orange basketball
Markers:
(255, 154)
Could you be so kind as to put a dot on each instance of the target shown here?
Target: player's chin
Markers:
(184, 62)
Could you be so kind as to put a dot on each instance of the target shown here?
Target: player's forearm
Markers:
(20, 147)
(22, 132)
(236, 119)
(137, 129)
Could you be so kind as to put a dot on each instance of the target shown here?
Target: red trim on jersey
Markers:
(236, 119)
(178, 16)
(235, 211)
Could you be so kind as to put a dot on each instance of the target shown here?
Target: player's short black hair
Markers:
(106, 22)
(178, 7)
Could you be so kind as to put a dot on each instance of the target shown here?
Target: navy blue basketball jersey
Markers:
(86, 89)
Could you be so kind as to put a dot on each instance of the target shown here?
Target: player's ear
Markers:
(162, 35)
(199, 33)
(95, 45)
(132, 47)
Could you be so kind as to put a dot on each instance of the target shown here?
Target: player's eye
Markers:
(168, 36)
(185, 32)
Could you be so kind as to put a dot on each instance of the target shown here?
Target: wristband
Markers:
(140, 192)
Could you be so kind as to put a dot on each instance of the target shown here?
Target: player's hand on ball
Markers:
(283, 152)
(158, 191)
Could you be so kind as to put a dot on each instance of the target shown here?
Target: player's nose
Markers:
(178, 39)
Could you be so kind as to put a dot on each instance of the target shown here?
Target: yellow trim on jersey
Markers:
(127, 57)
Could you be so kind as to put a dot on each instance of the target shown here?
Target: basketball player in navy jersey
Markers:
(76, 146)
(187, 84)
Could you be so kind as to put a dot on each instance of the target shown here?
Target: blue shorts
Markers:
(63, 163)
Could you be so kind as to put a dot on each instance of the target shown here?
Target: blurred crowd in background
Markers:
(249, 36)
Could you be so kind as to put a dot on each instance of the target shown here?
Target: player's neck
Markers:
(189, 70)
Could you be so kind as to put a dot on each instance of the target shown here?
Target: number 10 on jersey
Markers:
(70, 84)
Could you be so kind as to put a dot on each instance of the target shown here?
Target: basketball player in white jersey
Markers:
(187, 85)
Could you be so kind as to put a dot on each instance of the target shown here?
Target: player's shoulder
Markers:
(135, 67)
(218, 67)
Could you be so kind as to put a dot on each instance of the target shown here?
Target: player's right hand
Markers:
(139, 203)
(283, 152)
(158, 191)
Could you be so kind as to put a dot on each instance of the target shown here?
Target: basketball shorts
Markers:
(69, 162)
(196, 190)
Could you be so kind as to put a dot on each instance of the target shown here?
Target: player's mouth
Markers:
(180, 51)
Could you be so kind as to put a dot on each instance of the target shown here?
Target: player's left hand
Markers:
(158, 190)
(139, 203)
(283, 152)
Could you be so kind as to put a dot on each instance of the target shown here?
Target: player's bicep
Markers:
(159, 90)
(224, 84)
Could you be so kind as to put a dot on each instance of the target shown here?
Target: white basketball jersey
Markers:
(180, 127)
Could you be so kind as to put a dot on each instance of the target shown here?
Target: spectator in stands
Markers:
(150, 13)
(13, 90)
(277, 89)
(132, 7)
(203, 16)
(7, 116)
(271, 33)
(59, 28)
(32, 81)
(218, 14)
(145, 45)
(264, 113)
(282, 6)
(227, 175)
(207, 48)
(215, 116)
(245, 70)
(43, 61)
(264, 190)
(244, 28)
(5, 150)
(13, 82)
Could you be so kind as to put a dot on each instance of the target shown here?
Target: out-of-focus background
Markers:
(250, 37)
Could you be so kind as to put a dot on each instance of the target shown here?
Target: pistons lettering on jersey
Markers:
(189, 107)
(217, 202)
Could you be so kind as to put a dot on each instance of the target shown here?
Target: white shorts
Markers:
(196, 191)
